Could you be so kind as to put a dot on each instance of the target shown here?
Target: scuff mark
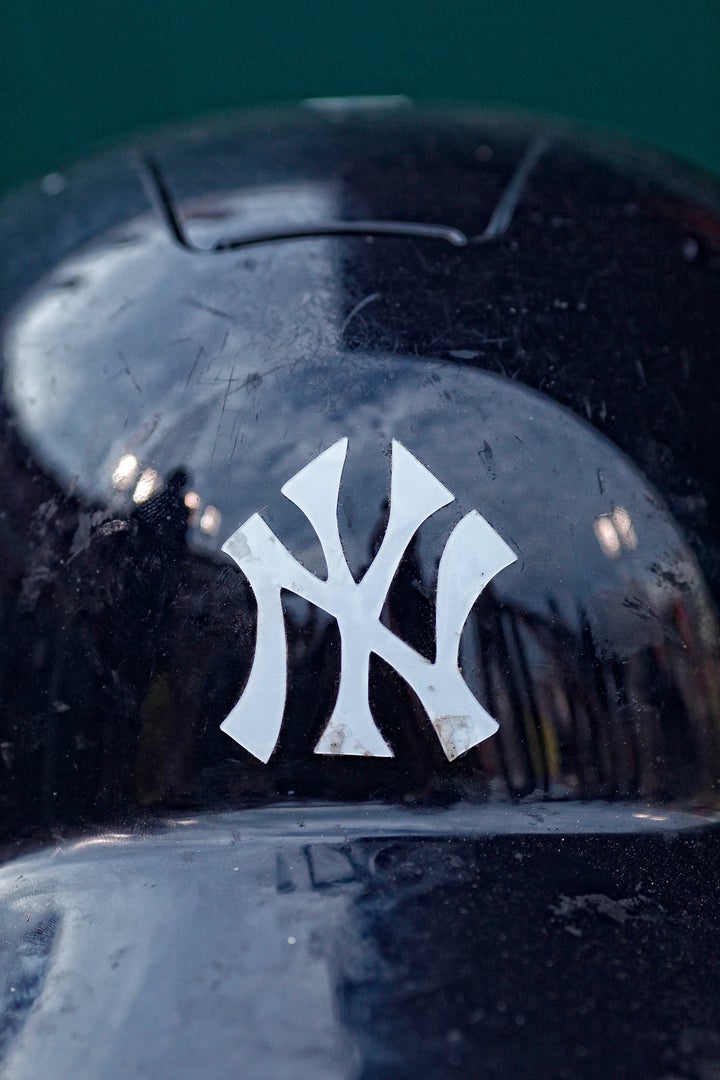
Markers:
(502, 216)
(143, 433)
(358, 308)
(125, 370)
(486, 454)
(230, 381)
(618, 911)
(89, 524)
(217, 312)
(640, 372)
(193, 369)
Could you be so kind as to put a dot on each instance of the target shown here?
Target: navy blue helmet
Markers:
(360, 662)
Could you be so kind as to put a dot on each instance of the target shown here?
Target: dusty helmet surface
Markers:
(360, 559)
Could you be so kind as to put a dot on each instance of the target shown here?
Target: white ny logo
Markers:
(473, 554)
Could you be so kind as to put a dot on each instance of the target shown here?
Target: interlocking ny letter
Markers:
(474, 553)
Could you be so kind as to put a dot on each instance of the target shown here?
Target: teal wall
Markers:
(75, 74)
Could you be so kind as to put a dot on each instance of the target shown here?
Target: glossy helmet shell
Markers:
(191, 324)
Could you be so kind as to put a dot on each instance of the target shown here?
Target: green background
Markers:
(76, 74)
